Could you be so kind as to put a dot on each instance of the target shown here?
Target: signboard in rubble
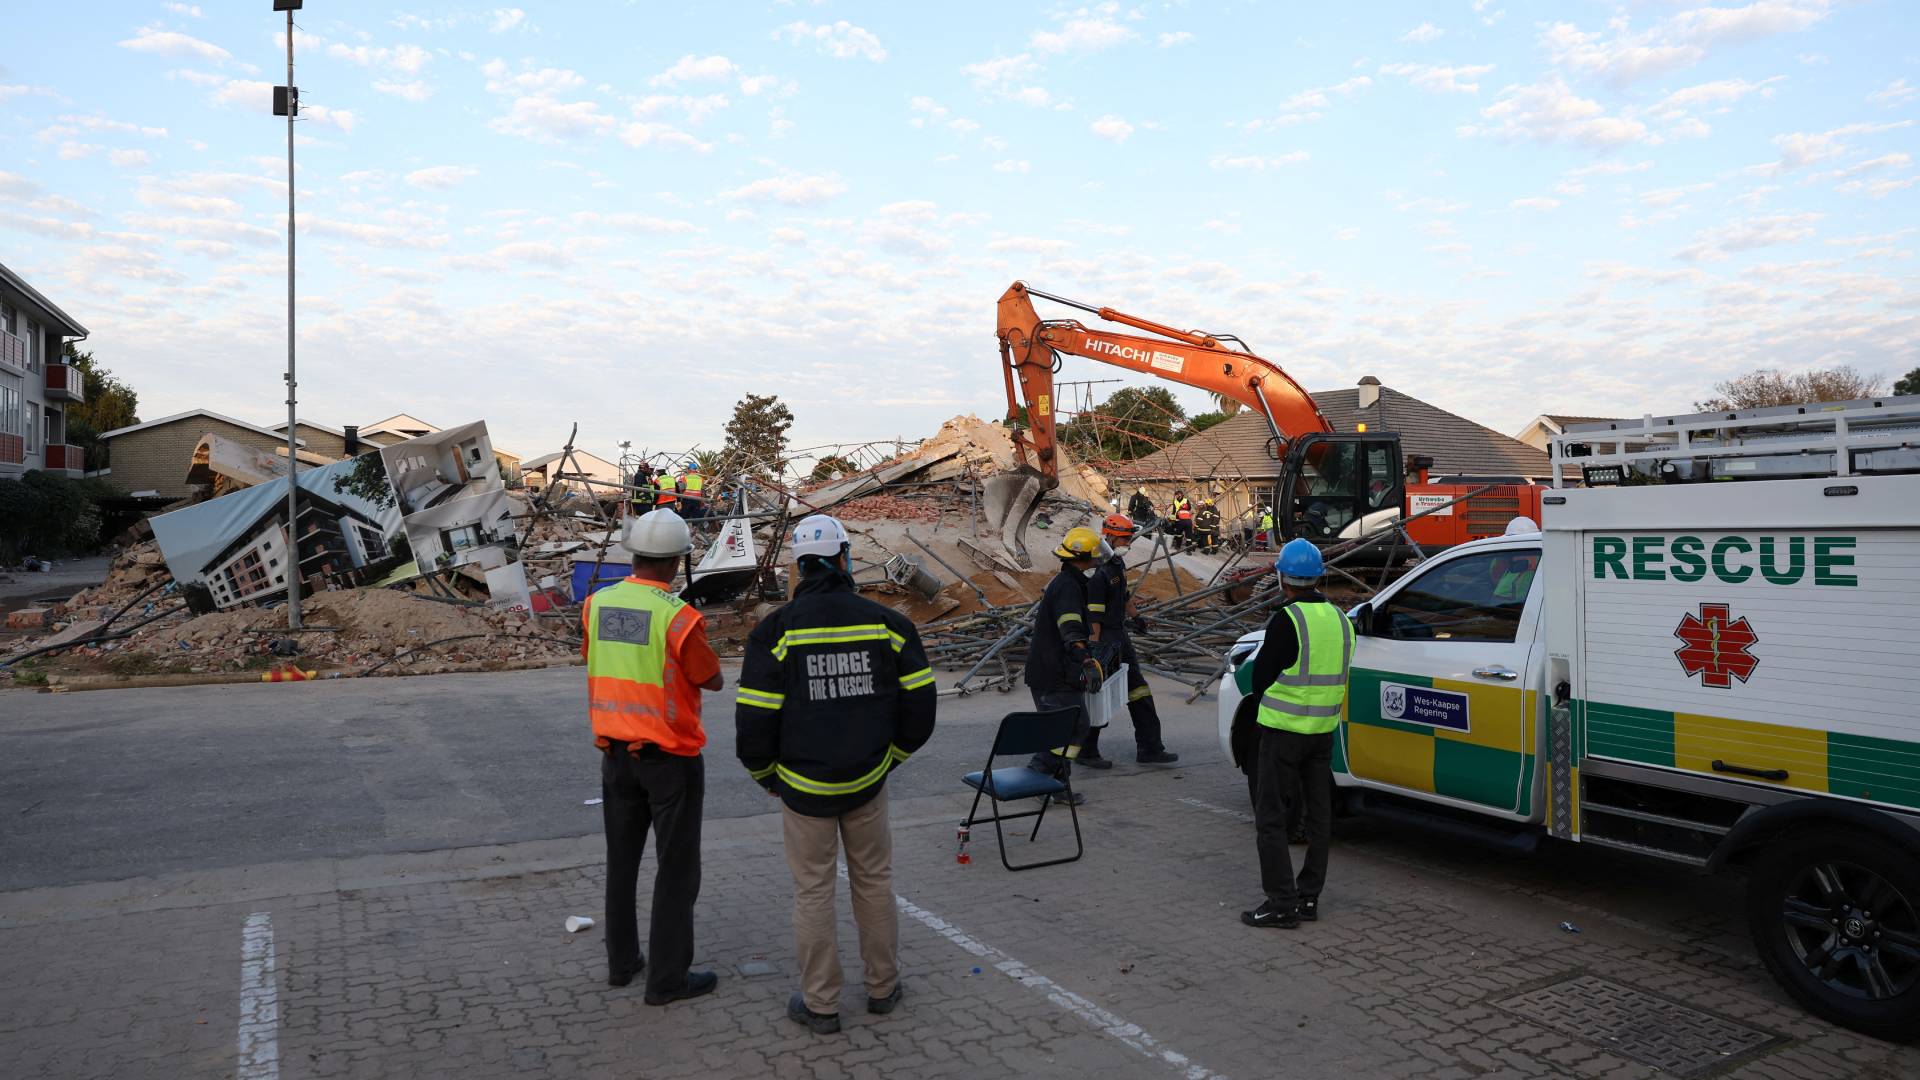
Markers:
(436, 502)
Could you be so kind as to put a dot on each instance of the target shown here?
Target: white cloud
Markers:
(1535, 203)
(101, 123)
(505, 19)
(441, 177)
(1620, 59)
(75, 151)
(1084, 31)
(191, 11)
(692, 68)
(1440, 79)
(1894, 93)
(789, 190)
(1676, 42)
(1672, 195)
(415, 91)
(1799, 149)
(1763, 18)
(1714, 245)
(641, 133)
(1012, 166)
(1111, 127)
(1422, 34)
(1551, 112)
(149, 39)
(128, 158)
(695, 109)
(405, 59)
(841, 40)
(1010, 78)
(1176, 37)
(545, 119)
(1256, 163)
(633, 223)
(344, 119)
(1308, 105)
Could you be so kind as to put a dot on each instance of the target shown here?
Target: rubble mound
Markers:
(984, 448)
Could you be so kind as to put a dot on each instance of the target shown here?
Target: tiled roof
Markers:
(1238, 446)
(1563, 421)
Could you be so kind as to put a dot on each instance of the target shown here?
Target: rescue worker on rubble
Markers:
(1206, 526)
(647, 662)
(836, 692)
(1060, 664)
(1264, 538)
(643, 494)
(693, 493)
(1111, 611)
(1181, 514)
(1300, 678)
(1140, 506)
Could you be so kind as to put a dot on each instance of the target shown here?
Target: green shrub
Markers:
(46, 515)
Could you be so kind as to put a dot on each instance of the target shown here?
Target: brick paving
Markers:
(457, 964)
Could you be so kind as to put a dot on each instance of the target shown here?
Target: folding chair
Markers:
(1026, 733)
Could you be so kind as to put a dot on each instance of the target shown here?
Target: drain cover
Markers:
(1638, 1024)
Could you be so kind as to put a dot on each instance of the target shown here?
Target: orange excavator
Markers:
(1333, 486)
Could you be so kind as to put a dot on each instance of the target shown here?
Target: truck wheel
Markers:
(1836, 918)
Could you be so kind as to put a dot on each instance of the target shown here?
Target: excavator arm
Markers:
(1028, 345)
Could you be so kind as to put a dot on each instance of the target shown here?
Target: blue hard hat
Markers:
(1300, 562)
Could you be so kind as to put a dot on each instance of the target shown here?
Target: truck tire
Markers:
(1835, 916)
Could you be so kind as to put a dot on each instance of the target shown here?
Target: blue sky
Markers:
(631, 215)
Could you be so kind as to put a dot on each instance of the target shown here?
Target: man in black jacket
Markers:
(1111, 608)
(835, 693)
(1060, 666)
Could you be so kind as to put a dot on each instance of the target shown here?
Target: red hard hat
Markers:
(1117, 527)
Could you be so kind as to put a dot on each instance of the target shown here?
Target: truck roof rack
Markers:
(1873, 436)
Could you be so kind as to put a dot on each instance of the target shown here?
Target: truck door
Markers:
(1440, 704)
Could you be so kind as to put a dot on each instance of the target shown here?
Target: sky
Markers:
(628, 216)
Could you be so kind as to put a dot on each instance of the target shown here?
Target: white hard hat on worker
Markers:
(657, 534)
(821, 535)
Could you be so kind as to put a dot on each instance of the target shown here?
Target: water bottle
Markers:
(962, 857)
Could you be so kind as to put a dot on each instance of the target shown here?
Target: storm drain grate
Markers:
(1638, 1024)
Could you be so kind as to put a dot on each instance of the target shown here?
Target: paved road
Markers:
(111, 784)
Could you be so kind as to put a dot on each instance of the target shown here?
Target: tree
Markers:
(1909, 383)
(368, 480)
(824, 469)
(1768, 387)
(757, 434)
(1200, 422)
(1132, 423)
(1228, 405)
(110, 404)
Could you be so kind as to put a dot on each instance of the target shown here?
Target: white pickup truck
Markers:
(1720, 674)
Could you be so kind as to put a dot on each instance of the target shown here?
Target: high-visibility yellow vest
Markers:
(635, 692)
(1308, 696)
(1266, 522)
(695, 483)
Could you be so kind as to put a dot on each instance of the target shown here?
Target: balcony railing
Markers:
(13, 450)
(66, 383)
(13, 350)
(66, 456)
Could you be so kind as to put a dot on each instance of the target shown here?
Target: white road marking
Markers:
(1099, 1019)
(259, 1049)
(1237, 815)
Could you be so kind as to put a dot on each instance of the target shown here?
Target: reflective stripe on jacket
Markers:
(635, 690)
(1307, 697)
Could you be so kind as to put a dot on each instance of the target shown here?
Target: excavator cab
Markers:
(1337, 486)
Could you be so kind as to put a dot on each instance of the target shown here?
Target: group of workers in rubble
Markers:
(836, 692)
(684, 494)
(1199, 526)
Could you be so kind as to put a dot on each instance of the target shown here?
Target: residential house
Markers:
(157, 455)
(336, 546)
(36, 386)
(1232, 456)
(538, 472)
(1540, 431)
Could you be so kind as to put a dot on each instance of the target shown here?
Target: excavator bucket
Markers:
(1007, 503)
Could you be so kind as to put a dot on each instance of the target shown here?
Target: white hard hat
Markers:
(819, 534)
(657, 534)
(1522, 526)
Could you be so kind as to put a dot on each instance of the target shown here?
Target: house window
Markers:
(12, 419)
(460, 539)
(33, 426)
(34, 345)
(9, 321)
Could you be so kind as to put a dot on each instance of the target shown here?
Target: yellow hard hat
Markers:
(1080, 543)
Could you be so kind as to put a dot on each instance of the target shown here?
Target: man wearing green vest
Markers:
(1300, 676)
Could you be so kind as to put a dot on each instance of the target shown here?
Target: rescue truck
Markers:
(1709, 655)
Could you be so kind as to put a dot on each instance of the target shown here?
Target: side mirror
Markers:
(1362, 617)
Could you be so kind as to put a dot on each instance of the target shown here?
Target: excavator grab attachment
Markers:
(1008, 502)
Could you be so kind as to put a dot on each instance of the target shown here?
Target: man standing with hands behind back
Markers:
(647, 662)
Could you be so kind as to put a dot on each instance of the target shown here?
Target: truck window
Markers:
(1476, 598)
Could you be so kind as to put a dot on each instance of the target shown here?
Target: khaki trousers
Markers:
(811, 844)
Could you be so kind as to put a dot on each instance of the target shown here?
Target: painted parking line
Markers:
(259, 1040)
(1095, 1017)
(1237, 815)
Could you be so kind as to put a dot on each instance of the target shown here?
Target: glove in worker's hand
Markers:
(1091, 677)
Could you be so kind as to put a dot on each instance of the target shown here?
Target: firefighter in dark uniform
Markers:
(1111, 609)
(1060, 665)
(835, 694)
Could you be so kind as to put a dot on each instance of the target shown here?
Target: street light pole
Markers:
(293, 441)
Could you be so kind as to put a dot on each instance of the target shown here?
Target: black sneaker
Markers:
(1095, 762)
(1309, 909)
(818, 1023)
(625, 977)
(1070, 798)
(1157, 757)
(698, 983)
(881, 1006)
(1269, 916)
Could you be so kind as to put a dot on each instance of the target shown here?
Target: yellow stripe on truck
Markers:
(1699, 741)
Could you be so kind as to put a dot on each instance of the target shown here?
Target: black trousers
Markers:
(1140, 708)
(1292, 767)
(664, 792)
(1054, 764)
